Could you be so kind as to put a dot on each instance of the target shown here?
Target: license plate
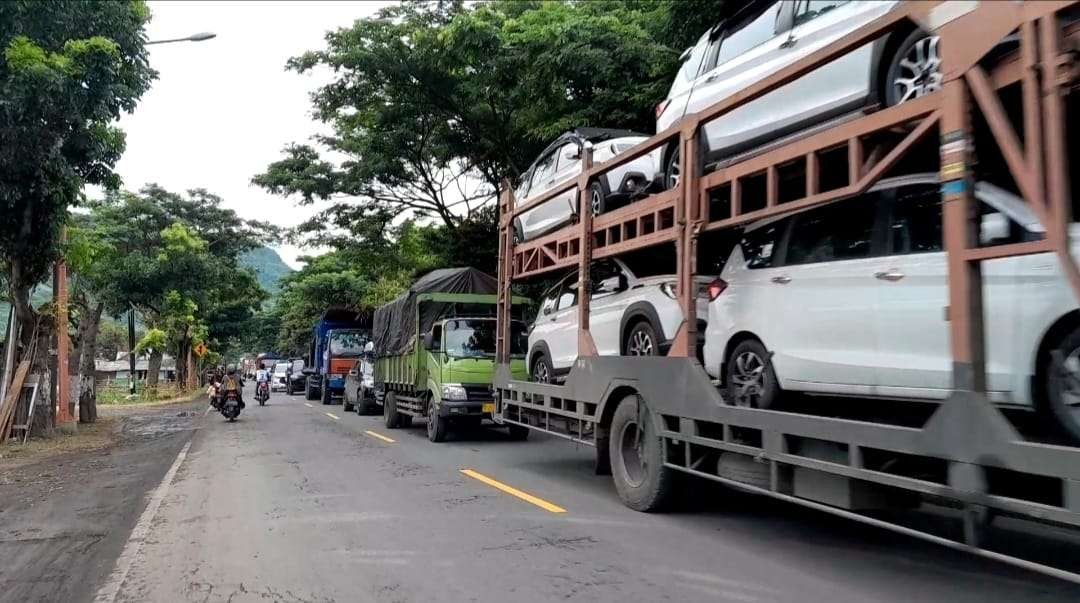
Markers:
(489, 407)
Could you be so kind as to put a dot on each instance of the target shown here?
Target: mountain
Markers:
(268, 267)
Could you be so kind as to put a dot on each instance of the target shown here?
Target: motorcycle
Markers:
(262, 393)
(231, 405)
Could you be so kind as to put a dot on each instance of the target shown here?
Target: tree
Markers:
(113, 338)
(175, 258)
(428, 92)
(69, 68)
(360, 277)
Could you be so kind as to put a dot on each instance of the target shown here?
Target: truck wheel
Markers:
(750, 378)
(436, 425)
(391, 418)
(637, 459)
(345, 405)
(309, 392)
(519, 433)
(325, 391)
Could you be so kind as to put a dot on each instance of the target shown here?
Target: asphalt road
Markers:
(303, 502)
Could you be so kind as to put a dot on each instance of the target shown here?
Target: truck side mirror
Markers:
(429, 340)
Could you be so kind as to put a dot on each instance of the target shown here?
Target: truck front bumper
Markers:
(449, 409)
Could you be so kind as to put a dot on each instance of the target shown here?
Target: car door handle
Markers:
(711, 78)
(889, 275)
(781, 280)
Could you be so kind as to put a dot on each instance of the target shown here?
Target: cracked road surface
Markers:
(290, 504)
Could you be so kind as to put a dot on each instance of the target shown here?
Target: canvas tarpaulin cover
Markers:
(394, 329)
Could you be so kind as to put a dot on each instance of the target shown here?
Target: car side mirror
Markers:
(993, 227)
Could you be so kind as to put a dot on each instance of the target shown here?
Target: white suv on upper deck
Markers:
(852, 298)
(561, 161)
(629, 315)
(764, 36)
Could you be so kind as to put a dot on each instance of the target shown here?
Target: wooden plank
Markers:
(7, 410)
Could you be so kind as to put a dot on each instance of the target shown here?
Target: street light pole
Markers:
(199, 37)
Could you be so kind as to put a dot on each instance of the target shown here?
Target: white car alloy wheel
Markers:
(540, 372)
(748, 379)
(918, 71)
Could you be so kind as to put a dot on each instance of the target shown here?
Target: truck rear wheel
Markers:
(325, 391)
(637, 458)
(436, 425)
(391, 417)
(309, 392)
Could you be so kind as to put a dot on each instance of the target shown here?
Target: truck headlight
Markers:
(454, 391)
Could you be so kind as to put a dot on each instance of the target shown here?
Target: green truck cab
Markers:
(435, 354)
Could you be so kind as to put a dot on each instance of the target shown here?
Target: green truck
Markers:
(435, 352)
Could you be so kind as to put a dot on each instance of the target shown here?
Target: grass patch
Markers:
(119, 395)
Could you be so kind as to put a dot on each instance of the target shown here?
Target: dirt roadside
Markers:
(68, 505)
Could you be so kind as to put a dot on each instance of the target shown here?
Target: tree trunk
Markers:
(183, 348)
(153, 369)
(88, 332)
(20, 300)
(44, 412)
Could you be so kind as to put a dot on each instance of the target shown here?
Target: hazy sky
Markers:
(222, 109)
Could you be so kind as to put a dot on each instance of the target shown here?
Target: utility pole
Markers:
(63, 341)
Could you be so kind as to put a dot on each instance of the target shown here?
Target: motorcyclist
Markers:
(262, 378)
(234, 381)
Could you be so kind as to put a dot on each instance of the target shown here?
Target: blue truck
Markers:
(337, 342)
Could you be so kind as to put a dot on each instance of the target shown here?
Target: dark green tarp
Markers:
(394, 327)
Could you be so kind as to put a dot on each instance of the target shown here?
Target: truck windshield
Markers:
(348, 343)
(475, 338)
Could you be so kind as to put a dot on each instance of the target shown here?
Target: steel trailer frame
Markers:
(966, 434)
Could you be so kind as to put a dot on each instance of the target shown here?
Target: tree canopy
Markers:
(68, 70)
(176, 259)
(430, 106)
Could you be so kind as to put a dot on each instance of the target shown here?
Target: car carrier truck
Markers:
(1007, 69)
(338, 339)
(435, 352)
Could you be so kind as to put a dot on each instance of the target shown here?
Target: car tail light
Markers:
(716, 288)
(661, 107)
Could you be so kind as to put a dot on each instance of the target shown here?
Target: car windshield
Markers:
(475, 337)
(348, 343)
(279, 369)
(297, 366)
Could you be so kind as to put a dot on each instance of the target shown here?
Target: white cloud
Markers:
(223, 109)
